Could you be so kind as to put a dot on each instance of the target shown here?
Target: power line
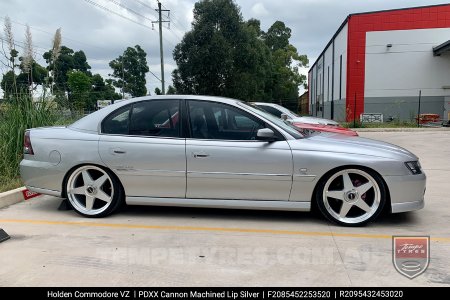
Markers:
(52, 34)
(122, 16)
(172, 16)
(117, 14)
(130, 10)
(17, 44)
(21, 46)
(101, 7)
(147, 6)
(154, 75)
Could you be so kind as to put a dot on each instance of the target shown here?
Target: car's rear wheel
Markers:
(93, 191)
(351, 197)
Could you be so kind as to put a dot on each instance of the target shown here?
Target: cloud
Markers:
(259, 10)
(104, 35)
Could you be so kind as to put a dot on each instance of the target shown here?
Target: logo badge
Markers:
(411, 254)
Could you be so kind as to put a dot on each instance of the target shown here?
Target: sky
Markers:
(103, 29)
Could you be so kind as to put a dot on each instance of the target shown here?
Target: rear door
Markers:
(142, 144)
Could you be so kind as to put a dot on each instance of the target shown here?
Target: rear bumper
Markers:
(41, 177)
(406, 192)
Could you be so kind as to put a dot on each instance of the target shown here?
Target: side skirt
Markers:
(219, 203)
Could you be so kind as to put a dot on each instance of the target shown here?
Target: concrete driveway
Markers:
(159, 246)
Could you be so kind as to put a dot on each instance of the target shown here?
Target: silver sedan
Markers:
(202, 151)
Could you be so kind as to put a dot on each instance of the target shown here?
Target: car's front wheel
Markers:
(93, 191)
(351, 197)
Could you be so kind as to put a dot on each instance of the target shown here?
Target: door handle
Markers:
(118, 151)
(199, 154)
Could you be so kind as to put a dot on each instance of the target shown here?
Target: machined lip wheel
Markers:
(90, 190)
(351, 196)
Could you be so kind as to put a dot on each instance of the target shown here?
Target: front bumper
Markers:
(407, 192)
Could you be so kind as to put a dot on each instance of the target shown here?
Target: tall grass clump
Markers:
(15, 117)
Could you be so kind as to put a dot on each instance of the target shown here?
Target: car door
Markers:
(226, 161)
(142, 144)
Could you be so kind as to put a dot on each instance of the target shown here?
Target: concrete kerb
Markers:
(12, 197)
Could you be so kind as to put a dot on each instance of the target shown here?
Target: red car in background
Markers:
(305, 124)
(325, 128)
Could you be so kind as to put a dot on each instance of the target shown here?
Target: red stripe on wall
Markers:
(359, 25)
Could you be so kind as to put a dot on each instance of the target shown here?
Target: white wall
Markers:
(328, 55)
(409, 65)
(340, 48)
(311, 88)
(318, 75)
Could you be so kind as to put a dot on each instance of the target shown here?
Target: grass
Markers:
(15, 118)
(7, 184)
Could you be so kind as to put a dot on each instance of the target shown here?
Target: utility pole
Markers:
(160, 21)
(123, 79)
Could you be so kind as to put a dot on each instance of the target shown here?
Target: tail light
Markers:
(27, 147)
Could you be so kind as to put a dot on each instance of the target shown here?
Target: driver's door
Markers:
(226, 161)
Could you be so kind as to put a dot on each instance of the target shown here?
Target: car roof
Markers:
(266, 103)
(92, 121)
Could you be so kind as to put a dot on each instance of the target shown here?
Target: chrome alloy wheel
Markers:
(90, 190)
(351, 196)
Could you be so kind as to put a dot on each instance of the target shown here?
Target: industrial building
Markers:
(380, 62)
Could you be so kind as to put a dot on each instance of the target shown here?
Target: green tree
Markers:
(129, 71)
(35, 73)
(171, 90)
(80, 85)
(221, 55)
(255, 24)
(24, 82)
(277, 37)
(286, 62)
(11, 86)
(66, 61)
(158, 91)
(101, 90)
(10, 54)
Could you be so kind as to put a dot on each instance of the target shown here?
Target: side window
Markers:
(212, 120)
(271, 110)
(156, 118)
(117, 122)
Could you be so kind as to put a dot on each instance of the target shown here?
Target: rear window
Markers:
(117, 122)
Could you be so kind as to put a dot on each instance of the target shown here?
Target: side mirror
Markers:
(284, 117)
(265, 134)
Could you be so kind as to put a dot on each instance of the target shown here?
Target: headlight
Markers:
(414, 167)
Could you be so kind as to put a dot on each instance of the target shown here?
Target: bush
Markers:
(15, 117)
